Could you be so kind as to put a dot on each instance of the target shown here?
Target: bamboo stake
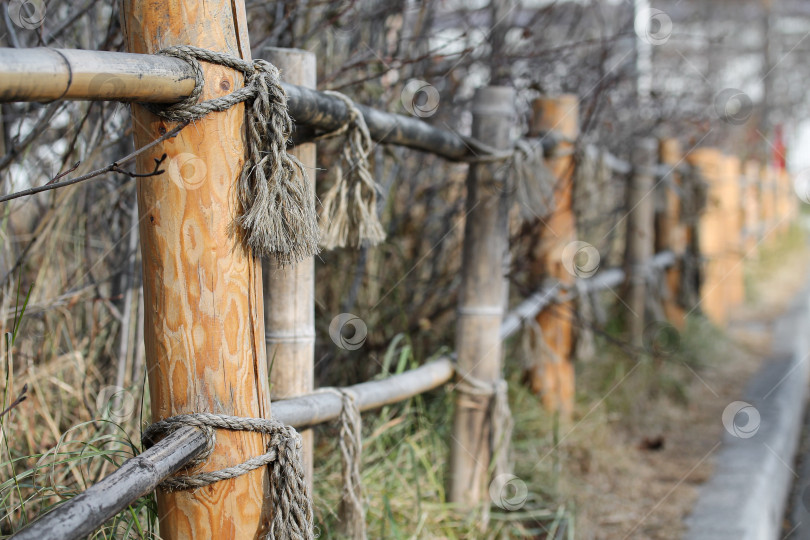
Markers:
(204, 322)
(289, 293)
(478, 339)
(670, 230)
(553, 378)
(640, 242)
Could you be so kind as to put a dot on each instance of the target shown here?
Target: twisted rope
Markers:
(292, 502)
(500, 417)
(349, 215)
(277, 212)
(533, 181)
(352, 509)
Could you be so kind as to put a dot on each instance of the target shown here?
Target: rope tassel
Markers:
(349, 214)
(277, 215)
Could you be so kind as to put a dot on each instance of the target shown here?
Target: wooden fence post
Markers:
(480, 311)
(204, 320)
(671, 231)
(712, 234)
(751, 207)
(553, 378)
(289, 293)
(732, 205)
(640, 235)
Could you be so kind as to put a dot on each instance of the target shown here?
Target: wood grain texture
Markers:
(289, 293)
(478, 340)
(204, 321)
(554, 380)
(712, 235)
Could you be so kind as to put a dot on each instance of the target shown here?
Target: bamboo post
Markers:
(712, 234)
(289, 293)
(553, 378)
(671, 232)
(204, 321)
(640, 231)
(478, 341)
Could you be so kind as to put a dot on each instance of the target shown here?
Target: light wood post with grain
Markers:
(640, 235)
(204, 319)
(478, 341)
(289, 293)
(671, 231)
(553, 378)
(733, 211)
(751, 208)
(712, 234)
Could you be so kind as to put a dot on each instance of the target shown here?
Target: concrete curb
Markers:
(746, 497)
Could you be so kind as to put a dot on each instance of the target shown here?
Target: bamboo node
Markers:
(292, 501)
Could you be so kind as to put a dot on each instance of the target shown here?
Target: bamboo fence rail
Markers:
(483, 325)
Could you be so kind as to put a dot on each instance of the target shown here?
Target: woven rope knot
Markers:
(292, 502)
(349, 214)
(500, 417)
(277, 215)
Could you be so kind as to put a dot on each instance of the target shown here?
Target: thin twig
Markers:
(112, 167)
(22, 397)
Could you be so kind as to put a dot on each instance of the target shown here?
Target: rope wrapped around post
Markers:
(501, 423)
(292, 501)
(277, 217)
(352, 509)
(349, 215)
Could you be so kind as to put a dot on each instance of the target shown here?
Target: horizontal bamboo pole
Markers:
(80, 516)
(47, 74)
(83, 514)
(98, 75)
